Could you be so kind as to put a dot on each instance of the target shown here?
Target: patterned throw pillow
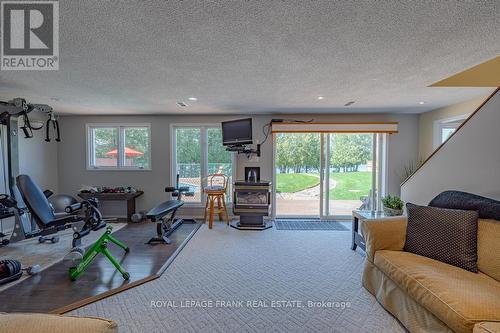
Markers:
(447, 235)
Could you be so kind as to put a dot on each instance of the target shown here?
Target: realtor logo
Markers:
(30, 35)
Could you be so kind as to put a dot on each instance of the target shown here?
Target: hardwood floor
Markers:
(53, 291)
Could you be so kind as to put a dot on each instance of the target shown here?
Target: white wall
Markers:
(469, 161)
(72, 152)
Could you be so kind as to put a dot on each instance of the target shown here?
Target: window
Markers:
(447, 131)
(444, 128)
(198, 152)
(124, 147)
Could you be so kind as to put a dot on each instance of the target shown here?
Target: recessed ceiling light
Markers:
(193, 98)
(321, 97)
(421, 103)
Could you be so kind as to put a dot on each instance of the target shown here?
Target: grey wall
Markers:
(428, 119)
(72, 152)
(37, 158)
(469, 161)
(3, 165)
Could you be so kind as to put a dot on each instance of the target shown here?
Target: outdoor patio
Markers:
(304, 207)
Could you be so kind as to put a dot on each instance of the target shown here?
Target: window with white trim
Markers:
(119, 146)
(197, 152)
(444, 128)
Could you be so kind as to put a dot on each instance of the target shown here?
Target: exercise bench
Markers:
(163, 214)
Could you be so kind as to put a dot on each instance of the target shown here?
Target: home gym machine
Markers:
(43, 214)
(34, 215)
(12, 202)
(164, 214)
(5, 213)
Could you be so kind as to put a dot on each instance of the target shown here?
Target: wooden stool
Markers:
(216, 192)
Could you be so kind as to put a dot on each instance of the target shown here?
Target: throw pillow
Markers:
(486, 207)
(447, 235)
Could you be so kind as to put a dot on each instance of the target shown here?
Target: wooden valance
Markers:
(313, 127)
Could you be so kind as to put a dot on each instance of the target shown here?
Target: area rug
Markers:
(53, 291)
(30, 252)
(310, 224)
(227, 280)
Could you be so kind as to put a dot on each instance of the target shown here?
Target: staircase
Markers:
(469, 160)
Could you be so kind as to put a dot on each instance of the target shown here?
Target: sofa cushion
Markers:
(488, 248)
(447, 235)
(457, 297)
(487, 327)
(41, 323)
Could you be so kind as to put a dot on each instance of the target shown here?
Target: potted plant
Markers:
(393, 205)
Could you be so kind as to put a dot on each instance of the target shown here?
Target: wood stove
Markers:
(251, 201)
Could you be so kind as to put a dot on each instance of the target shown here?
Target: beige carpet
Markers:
(30, 252)
(223, 269)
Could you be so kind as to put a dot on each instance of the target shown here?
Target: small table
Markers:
(129, 197)
(357, 239)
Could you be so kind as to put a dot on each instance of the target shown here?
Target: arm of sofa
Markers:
(384, 234)
(41, 323)
(487, 327)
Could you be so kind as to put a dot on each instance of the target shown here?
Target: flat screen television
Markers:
(237, 132)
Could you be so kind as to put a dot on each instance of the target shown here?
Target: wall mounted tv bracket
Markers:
(244, 149)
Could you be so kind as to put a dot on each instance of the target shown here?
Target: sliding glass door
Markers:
(328, 175)
(298, 174)
(198, 152)
(349, 173)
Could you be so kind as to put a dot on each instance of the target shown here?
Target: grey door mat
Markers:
(308, 224)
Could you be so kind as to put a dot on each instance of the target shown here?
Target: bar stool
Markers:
(216, 192)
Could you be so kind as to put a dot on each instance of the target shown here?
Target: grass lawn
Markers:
(351, 185)
(294, 182)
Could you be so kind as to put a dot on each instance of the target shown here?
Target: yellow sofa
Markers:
(427, 295)
(47, 323)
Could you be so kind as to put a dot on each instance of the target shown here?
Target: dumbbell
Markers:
(53, 239)
(138, 217)
(32, 270)
(73, 258)
(14, 267)
(9, 268)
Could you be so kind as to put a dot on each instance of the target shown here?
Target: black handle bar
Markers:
(182, 189)
(89, 203)
(55, 126)
(8, 201)
(73, 208)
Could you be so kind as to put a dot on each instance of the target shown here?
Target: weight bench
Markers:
(42, 214)
(163, 214)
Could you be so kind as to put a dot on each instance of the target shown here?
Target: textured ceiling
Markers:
(273, 56)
